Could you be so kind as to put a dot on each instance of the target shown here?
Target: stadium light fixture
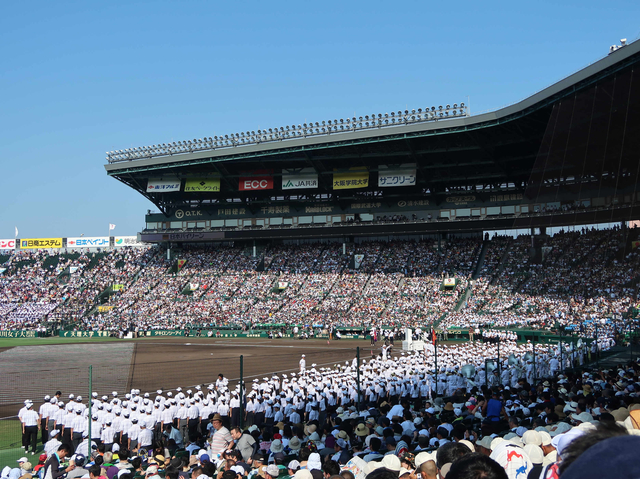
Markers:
(292, 131)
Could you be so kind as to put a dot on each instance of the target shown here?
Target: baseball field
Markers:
(33, 368)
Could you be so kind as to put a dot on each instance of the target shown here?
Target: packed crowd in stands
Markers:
(572, 281)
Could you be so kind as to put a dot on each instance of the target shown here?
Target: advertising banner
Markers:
(401, 175)
(18, 334)
(7, 244)
(354, 178)
(40, 243)
(104, 308)
(202, 185)
(127, 241)
(82, 242)
(163, 185)
(83, 334)
(299, 178)
(449, 282)
(256, 180)
(160, 332)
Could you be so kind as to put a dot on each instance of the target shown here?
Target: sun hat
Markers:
(391, 462)
(276, 445)
(294, 443)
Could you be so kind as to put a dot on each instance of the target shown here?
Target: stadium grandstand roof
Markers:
(580, 134)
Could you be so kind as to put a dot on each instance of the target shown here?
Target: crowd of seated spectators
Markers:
(576, 281)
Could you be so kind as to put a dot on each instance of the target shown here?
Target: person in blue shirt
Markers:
(171, 432)
(493, 409)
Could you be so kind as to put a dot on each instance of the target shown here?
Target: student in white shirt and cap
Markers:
(53, 443)
(30, 428)
(303, 364)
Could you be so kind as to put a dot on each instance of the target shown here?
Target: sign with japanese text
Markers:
(353, 178)
(163, 185)
(256, 180)
(7, 244)
(127, 241)
(83, 334)
(40, 243)
(401, 175)
(202, 185)
(299, 179)
(82, 242)
(18, 334)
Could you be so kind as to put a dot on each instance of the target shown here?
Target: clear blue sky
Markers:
(81, 78)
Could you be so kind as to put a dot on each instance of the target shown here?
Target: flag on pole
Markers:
(434, 338)
(112, 226)
(16, 231)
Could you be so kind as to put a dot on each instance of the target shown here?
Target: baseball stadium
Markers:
(367, 290)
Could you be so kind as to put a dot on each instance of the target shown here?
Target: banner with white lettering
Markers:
(397, 175)
(92, 242)
(163, 185)
(256, 180)
(295, 179)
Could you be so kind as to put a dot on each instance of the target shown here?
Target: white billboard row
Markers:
(299, 178)
(88, 242)
(163, 185)
(103, 242)
(120, 241)
(398, 175)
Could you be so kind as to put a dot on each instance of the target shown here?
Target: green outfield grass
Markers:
(11, 442)
(10, 433)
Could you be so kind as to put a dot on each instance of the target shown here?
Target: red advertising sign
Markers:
(257, 180)
(7, 244)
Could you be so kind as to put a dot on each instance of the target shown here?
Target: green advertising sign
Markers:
(84, 334)
(18, 334)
